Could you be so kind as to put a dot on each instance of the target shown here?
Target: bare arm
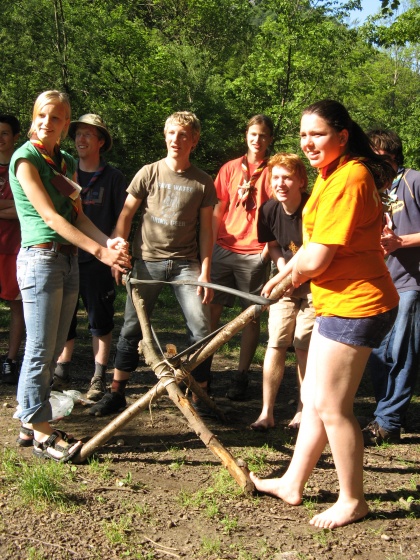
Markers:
(8, 210)
(312, 261)
(218, 213)
(31, 183)
(125, 219)
(123, 225)
(276, 254)
(391, 242)
(206, 250)
(305, 264)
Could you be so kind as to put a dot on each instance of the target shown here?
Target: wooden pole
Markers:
(170, 377)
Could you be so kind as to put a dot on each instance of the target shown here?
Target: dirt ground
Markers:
(155, 491)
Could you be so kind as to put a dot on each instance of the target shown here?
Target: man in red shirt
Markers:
(9, 248)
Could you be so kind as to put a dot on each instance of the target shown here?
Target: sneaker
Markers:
(97, 389)
(238, 386)
(10, 372)
(109, 404)
(373, 434)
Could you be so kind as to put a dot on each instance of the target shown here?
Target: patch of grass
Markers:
(116, 530)
(256, 459)
(44, 484)
(414, 482)
(310, 504)
(224, 484)
(323, 537)
(100, 467)
(229, 524)
(210, 546)
(259, 354)
(37, 484)
(34, 554)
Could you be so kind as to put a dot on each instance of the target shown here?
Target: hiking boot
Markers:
(97, 388)
(238, 386)
(10, 372)
(109, 404)
(373, 434)
(61, 377)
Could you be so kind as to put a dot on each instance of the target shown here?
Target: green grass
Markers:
(37, 484)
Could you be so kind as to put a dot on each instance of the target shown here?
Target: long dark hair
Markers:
(358, 145)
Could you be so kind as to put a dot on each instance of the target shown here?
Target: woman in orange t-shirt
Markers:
(354, 298)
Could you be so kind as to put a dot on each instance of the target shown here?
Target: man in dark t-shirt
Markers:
(103, 196)
(394, 365)
(292, 318)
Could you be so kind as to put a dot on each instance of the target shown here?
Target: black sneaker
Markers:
(109, 404)
(373, 434)
(10, 372)
(97, 389)
(238, 386)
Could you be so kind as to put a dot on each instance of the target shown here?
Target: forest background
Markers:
(135, 62)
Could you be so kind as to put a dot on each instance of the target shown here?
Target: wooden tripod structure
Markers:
(169, 376)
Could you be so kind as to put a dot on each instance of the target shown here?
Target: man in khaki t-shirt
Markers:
(173, 197)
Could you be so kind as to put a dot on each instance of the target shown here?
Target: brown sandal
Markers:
(49, 449)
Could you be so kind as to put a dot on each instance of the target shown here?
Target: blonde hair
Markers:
(184, 118)
(54, 97)
(292, 162)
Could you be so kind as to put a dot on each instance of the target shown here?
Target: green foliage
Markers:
(136, 62)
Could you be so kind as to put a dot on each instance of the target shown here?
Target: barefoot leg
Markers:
(273, 371)
(339, 370)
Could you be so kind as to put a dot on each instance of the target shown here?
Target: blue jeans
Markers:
(394, 365)
(49, 284)
(196, 315)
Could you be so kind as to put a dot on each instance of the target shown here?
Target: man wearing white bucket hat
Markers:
(103, 196)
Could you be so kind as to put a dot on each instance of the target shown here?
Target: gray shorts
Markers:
(246, 273)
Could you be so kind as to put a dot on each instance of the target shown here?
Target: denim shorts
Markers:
(359, 331)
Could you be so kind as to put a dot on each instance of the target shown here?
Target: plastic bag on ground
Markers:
(62, 403)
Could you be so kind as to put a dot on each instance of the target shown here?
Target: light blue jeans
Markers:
(49, 284)
(197, 315)
(394, 365)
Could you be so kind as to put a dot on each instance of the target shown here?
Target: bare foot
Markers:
(340, 514)
(295, 423)
(262, 424)
(277, 487)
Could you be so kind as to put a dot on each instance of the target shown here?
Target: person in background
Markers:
(103, 196)
(354, 298)
(291, 319)
(53, 225)
(173, 198)
(394, 365)
(239, 260)
(9, 248)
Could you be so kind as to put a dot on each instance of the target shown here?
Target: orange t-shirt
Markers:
(238, 228)
(345, 210)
